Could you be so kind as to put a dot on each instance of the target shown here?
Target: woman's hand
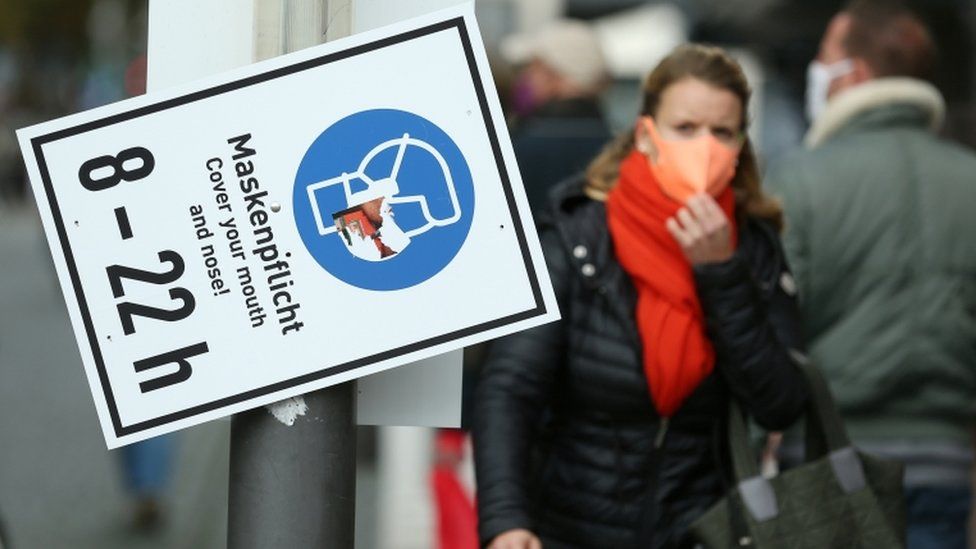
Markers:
(702, 231)
(515, 539)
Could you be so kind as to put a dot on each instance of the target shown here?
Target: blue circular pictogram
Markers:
(383, 199)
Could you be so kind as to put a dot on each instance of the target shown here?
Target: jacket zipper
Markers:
(662, 432)
(646, 532)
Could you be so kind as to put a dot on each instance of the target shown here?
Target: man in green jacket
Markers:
(881, 235)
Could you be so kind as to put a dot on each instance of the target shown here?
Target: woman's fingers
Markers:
(696, 205)
(690, 225)
(708, 213)
(715, 211)
(519, 538)
(679, 234)
(702, 230)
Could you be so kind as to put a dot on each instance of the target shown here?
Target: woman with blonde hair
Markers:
(606, 429)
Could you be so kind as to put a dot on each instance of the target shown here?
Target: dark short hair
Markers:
(890, 38)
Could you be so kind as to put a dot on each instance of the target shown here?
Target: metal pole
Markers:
(295, 486)
(293, 465)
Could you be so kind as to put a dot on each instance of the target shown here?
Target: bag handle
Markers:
(825, 431)
(825, 435)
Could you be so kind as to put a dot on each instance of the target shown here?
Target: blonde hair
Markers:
(715, 67)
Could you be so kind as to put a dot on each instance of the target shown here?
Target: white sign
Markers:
(295, 224)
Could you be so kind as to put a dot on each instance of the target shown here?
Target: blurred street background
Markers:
(60, 487)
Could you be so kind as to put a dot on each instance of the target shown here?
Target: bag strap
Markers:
(738, 524)
(744, 463)
(755, 490)
(825, 431)
(826, 437)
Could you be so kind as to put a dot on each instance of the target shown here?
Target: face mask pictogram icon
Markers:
(366, 221)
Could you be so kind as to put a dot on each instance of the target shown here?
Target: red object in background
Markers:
(135, 77)
(457, 522)
(449, 444)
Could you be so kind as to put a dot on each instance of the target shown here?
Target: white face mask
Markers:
(819, 77)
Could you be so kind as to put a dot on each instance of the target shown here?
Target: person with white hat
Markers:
(560, 126)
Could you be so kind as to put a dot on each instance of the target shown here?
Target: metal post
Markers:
(295, 486)
(293, 474)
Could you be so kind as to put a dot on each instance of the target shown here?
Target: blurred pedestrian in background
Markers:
(559, 126)
(146, 470)
(603, 429)
(880, 229)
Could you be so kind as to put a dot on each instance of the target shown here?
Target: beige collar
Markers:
(871, 95)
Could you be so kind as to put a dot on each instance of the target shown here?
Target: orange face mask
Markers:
(687, 167)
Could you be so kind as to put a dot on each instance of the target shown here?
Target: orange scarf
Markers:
(677, 353)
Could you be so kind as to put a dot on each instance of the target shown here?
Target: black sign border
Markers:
(37, 143)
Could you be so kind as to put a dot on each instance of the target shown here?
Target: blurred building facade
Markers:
(59, 57)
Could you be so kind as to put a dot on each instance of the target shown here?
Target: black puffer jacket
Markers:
(565, 433)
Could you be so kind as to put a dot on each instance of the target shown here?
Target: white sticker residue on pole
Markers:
(288, 410)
